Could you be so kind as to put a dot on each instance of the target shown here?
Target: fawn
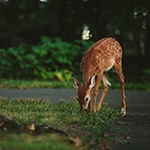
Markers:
(99, 58)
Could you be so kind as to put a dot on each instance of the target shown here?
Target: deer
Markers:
(96, 61)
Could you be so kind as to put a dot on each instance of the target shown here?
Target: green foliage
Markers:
(146, 76)
(52, 59)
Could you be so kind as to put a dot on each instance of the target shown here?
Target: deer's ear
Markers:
(76, 83)
(92, 82)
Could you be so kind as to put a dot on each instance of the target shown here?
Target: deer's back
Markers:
(100, 56)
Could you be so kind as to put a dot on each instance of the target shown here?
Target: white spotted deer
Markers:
(99, 58)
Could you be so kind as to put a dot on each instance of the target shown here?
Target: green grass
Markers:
(28, 142)
(24, 84)
(83, 129)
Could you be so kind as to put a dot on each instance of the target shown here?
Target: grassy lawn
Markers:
(39, 125)
(24, 84)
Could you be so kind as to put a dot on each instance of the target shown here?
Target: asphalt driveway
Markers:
(133, 129)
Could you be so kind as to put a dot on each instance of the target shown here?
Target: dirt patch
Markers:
(11, 126)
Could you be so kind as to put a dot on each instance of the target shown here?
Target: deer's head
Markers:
(84, 92)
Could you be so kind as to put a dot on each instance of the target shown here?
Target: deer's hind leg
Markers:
(118, 69)
(106, 84)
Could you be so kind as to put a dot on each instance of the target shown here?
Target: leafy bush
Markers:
(52, 59)
(146, 76)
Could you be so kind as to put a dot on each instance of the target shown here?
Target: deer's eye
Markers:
(86, 99)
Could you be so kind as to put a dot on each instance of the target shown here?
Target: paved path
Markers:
(134, 129)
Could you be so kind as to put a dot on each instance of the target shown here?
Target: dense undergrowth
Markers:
(51, 59)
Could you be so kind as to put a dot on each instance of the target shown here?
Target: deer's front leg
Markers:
(90, 106)
(106, 84)
(98, 81)
(94, 100)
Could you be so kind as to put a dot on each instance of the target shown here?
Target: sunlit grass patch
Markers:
(24, 84)
(61, 116)
(40, 142)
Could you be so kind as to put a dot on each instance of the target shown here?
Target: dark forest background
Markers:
(36, 23)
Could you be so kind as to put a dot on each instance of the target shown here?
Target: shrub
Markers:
(52, 59)
(146, 75)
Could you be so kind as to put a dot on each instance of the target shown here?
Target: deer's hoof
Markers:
(123, 112)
